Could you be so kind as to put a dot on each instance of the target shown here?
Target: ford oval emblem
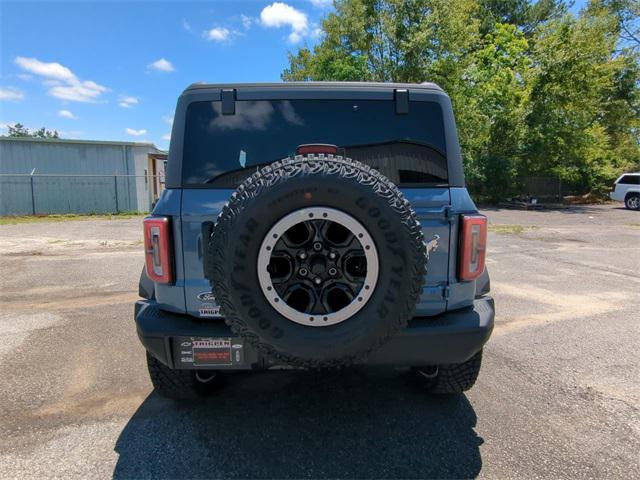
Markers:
(206, 297)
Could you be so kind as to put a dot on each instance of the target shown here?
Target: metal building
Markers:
(42, 176)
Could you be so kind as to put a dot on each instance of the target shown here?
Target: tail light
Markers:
(473, 247)
(157, 249)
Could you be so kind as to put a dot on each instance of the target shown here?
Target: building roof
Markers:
(84, 142)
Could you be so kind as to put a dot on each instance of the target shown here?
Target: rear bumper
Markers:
(452, 337)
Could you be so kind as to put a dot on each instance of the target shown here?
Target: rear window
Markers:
(630, 180)
(222, 150)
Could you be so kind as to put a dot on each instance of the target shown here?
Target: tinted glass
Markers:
(630, 180)
(222, 150)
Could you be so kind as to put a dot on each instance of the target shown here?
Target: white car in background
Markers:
(627, 190)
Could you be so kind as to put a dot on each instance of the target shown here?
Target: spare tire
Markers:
(316, 260)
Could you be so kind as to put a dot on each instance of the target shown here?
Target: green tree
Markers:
(627, 12)
(535, 89)
(523, 14)
(386, 40)
(19, 130)
(498, 89)
(583, 123)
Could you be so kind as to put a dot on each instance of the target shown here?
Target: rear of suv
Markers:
(314, 225)
(627, 190)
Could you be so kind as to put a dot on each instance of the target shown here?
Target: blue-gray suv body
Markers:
(314, 225)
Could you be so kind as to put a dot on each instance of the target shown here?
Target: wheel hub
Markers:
(318, 266)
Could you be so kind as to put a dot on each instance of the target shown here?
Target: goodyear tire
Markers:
(316, 291)
(450, 379)
(181, 384)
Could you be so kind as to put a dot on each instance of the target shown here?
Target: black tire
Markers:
(311, 181)
(632, 201)
(451, 379)
(180, 384)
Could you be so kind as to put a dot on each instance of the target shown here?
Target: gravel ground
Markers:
(558, 395)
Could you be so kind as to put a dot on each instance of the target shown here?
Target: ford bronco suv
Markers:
(314, 225)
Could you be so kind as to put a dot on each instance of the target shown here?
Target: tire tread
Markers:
(175, 384)
(458, 378)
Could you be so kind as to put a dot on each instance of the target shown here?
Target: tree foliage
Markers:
(627, 13)
(19, 130)
(536, 90)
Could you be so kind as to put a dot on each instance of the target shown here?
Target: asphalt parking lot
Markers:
(558, 395)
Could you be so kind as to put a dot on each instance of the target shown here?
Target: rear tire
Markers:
(632, 201)
(181, 384)
(451, 379)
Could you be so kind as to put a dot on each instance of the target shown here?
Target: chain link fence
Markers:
(549, 188)
(544, 189)
(43, 194)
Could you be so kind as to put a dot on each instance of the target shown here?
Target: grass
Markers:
(509, 229)
(67, 217)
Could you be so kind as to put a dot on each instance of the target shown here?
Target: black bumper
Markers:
(452, 337)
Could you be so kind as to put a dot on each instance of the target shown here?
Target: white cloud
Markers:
(162, 65)
(186, 25)
(294, 37)
(63, 83)
(127, 101)
(25, 77)
(135, 133)
(44, 69)
(67, 114)
(11, 94)
(166, 137)
(86, 91)
(280, 14)
(322, 3)
(218, 34)
(246, 21)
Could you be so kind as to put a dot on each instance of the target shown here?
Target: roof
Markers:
(322, 85)
(84, 142)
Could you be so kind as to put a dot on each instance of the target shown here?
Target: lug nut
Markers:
(318, 281)
(332, 255)
(302, 256)
(333, 272)
(303, 272)
(317, 246)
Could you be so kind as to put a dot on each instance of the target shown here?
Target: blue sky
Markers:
(112, 70)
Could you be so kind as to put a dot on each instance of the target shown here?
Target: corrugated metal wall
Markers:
(72, 177)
